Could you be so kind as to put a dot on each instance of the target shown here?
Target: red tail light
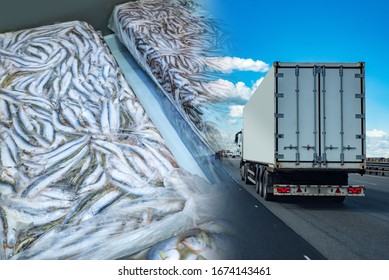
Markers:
(283, 189)
(354, 190)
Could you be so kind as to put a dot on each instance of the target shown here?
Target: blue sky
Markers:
(347, 31)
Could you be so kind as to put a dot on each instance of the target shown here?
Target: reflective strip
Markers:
(319, 190)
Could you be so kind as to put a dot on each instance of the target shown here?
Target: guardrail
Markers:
(377, 168)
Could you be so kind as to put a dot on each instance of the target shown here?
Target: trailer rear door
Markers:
(320, 114)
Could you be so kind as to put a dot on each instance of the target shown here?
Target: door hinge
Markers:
(359, 116)
(359, 95)
(279, 156)
(279, 95)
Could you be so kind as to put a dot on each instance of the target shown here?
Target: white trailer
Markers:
(304, 130)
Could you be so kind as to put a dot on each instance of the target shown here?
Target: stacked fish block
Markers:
(84, 174)
(171, 40)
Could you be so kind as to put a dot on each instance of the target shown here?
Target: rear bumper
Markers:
(318, 190)
(319, 170)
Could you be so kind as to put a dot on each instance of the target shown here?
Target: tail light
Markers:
(354, 190)
(283, 189)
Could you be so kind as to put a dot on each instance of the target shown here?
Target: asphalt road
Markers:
(355, 229)
(262, 235)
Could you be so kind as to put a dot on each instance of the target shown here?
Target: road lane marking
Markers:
(368, 183)
(380, 177)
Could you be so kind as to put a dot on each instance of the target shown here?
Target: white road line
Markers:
(368, 183)
(378, 177)
(306, 257)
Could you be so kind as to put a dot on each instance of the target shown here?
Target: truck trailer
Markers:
(304, 131)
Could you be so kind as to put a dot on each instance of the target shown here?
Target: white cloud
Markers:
(243, 91)
(233, 121)
(226, 89)
(257, 83)
(236, 111)
(228, 64)
(377, 143)
(378, 148)
(375, 133)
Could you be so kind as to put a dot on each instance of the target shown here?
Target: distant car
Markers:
(229, 154)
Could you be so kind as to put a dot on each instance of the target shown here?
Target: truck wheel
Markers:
(257, 187)
(259, 183)
(242, 167)
(267, 182)
(246, 175)
(261, 186)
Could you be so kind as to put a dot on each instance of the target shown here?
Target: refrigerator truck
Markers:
(304, 131)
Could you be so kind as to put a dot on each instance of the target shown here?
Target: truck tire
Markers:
(259, 187)
(267, 181)
(246, 175)
(259, 182)
(241, 170)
